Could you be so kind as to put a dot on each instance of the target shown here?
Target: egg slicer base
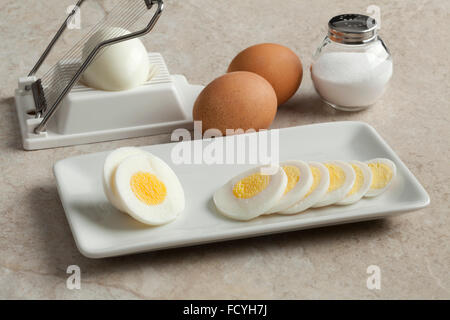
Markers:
(86, 115)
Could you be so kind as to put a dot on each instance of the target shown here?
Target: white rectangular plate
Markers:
(102, 231)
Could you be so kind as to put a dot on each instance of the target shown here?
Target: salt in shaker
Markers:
(352, 67)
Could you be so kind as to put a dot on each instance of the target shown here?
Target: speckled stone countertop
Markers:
(198, 38)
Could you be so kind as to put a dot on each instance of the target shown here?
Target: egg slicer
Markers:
(57, 110)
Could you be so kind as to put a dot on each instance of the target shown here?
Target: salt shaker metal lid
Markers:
(352, 29)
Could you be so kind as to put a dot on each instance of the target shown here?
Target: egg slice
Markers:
(109, 170)
(362, 183)
(251, 193)
(149, 190)
(299, 182)
(383, 173)
(342, 177)
(319, 187)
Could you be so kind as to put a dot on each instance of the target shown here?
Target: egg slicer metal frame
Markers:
(57, 110)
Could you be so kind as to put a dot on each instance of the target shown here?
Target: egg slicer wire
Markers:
(57, 110)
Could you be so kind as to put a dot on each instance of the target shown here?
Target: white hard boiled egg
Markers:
(321, 182)
(342, 177)
(383, 173)
(120, 66)
(362, 183)
(109, 170)
(251, 193)
(149, 189)
(299, 182)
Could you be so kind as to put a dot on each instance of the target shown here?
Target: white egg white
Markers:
(246, 209)
(367, 176)
(338, 194)
(299, 190)
(158, 214)
(109, 170)
(320, 190)
(372, 192)
(120, 66)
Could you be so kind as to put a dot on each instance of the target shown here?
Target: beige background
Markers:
(198, 38)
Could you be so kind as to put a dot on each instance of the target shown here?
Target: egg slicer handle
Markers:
(47, 108)
(55, 39)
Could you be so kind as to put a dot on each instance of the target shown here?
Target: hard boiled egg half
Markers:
(121, 66)
(143, 185)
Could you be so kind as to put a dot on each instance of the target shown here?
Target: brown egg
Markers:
(277, 64)
(236, 100)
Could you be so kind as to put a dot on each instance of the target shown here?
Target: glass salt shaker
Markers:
(352, 67)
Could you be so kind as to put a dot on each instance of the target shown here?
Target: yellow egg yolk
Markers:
(148, 188)
(316, 180)
(359, 180)
(293, 175)
(337, 176)
(251, 185)
(382, 174)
